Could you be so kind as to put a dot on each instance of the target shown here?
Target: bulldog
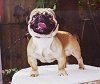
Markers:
(47, 44)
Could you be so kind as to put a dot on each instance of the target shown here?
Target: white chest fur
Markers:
(42, 51)
(43, 43)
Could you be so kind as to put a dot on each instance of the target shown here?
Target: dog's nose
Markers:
(41, 18)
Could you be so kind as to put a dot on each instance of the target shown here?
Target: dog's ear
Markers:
(27, 19)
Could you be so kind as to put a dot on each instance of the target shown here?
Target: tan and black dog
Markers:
(47, 44)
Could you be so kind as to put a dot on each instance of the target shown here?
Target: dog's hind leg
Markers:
(79, 58)
(74, 49)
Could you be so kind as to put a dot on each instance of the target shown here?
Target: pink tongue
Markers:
(41, 25)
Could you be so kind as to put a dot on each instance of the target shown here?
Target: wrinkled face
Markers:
(42, 21)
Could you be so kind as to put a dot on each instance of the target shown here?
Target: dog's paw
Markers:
(81, 67)
(34, 74)
(62, 73)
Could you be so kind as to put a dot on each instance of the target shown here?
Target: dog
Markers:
(47, 44)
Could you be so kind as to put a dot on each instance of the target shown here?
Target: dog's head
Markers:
(42, 23)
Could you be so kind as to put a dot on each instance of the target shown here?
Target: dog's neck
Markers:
(44, 42)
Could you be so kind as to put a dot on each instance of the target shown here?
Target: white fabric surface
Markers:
(49, 75)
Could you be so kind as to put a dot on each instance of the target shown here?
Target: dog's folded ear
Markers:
(27, 19)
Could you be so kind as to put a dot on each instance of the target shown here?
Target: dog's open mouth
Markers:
(43, 24)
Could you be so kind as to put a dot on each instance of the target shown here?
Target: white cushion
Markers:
(49, 75)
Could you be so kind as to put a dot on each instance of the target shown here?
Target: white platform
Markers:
(49, 75)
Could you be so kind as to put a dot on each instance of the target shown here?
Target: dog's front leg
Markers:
(33, 63)
(62, 65)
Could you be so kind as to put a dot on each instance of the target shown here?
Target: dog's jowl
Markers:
(47, 44)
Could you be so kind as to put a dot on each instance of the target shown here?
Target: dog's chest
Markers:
(43, 51)
(43, 43)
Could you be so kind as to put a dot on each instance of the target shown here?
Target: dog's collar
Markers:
(42, 37)
(37, 37)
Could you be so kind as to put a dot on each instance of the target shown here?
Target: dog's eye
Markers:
(37, 13)
(34, 16)
(49, 16)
